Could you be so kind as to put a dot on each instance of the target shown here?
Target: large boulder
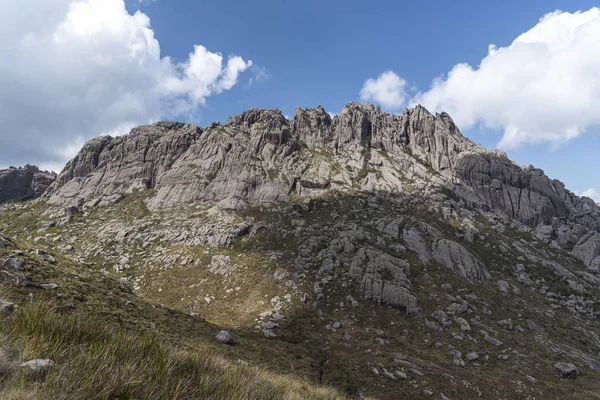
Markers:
(459, 259)
(566, 370)
(384, 279)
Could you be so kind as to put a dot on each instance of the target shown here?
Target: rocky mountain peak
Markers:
(255, 115)
(24, 183)
(259, 158)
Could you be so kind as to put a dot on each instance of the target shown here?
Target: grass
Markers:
(99, 360)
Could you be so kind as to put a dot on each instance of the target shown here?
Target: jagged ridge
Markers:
(260, 157)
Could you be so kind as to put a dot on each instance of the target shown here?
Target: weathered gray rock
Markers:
(503, 286)
(24, 281)
(268, 333)
(458, 308)
(108, 166)
(464, 325)
(533, 326)
(24, 183)
(6, 308)
(587, 248)
(225, 337)
(566, 370)
(459, 259)
(42, 255)
(384, 279)
(15, 263)
(524, 194)
(260, 157)
(492, 340)
(414, 241)
(49, 286)
(38, 367)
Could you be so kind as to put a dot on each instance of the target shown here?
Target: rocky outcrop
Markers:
(459, 259)
(260, 158)
(524, 194)
(384, 279)
(588, 248)
(107, 167)
(24, 183)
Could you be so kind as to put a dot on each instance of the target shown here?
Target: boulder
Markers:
(38, 367)
(459, 259)
(566, 370)
(15, 263)
(6, 308)
(492, 341)
(225, 337)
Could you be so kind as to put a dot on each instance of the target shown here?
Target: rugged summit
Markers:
(386, 255)
(259, 157)
(24, 183)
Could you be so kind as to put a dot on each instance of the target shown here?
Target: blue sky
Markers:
(321, 52)
(75, 75)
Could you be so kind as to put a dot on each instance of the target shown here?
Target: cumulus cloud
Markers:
(591, 193)
(388, 90)
(544, 87)
(75, 69)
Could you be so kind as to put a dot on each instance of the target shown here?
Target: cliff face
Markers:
(24, 183)
(107, 167)
(260, 157)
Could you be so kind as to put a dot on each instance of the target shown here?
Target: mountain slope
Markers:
(387, 255)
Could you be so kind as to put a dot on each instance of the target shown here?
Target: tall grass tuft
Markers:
(98, 360)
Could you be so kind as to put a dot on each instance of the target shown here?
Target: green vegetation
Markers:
(98, 360)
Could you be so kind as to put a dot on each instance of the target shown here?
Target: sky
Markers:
(522, 76)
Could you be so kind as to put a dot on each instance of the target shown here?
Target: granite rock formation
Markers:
(24, 183)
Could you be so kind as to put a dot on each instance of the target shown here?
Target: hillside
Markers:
(379, 255)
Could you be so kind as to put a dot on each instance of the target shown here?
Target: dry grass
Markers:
(96, 360)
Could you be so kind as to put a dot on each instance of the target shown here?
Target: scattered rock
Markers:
(464, 325)
(492, 340)
(566, 370)
(269, 333)
(49, 286)
(6, 308)
(24, 281)
(38, 367)
(14, 263)
(225, 337)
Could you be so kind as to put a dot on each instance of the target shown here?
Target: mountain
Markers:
(384, 255)
(24, 183)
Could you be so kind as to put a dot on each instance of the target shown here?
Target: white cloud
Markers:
(388, 90)
(544, 87)
(591, 193)
(75, 69)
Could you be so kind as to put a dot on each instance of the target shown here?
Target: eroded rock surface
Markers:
(24, 183)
